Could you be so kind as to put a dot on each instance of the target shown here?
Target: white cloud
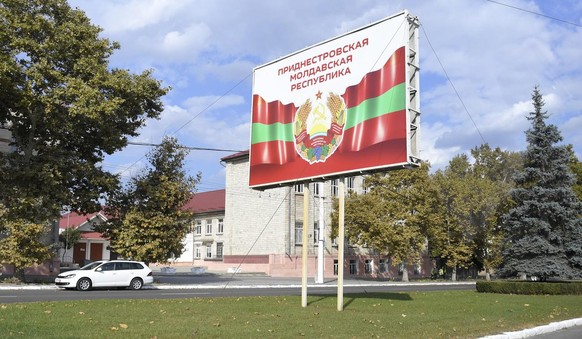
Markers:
(494, 55)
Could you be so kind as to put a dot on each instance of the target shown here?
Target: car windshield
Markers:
(91, 265)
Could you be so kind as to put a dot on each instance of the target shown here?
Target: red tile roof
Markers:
(204, 202)
(73, 219)
(236, 155)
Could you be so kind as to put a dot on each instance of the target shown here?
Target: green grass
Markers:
(462, 314)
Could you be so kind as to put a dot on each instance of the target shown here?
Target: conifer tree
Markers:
(543, 229)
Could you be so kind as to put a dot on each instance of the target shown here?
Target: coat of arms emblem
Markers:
(318, 126)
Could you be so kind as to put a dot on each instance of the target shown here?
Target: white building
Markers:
(263, 229)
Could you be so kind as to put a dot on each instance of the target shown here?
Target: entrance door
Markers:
(96, 251)
(79, 251)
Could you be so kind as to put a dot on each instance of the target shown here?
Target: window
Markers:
(316, 232)
(334, 187)
(298, 188)
(353, 266)
(369, 266)
(197, 252)
(299, 233)
(209, 226)
(110, 266)
(316, 188)
(351, 183)
(220, 226)
(383, 266)
(198, 226)
(219, 249)
(209, 251)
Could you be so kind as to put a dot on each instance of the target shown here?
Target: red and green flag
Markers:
(365, 129)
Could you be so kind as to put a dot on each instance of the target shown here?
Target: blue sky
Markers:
(493, 54)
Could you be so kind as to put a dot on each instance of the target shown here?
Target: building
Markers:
(92, 245)
(263, 229)
(204, 244)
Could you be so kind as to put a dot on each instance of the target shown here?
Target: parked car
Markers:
(107, 273)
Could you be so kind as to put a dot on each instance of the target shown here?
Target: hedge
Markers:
(530, 287)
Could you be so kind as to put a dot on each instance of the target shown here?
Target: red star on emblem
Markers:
(318, 94)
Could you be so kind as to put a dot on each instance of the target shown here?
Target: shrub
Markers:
(530, 287)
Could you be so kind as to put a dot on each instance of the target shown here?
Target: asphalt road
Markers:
(252, 287)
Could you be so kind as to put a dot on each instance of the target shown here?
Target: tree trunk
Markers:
(405, 274)
(19, 273)
(454, 273)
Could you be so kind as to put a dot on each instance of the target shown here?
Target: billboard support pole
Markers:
(304, 245)
(321, 240)
(340, 248)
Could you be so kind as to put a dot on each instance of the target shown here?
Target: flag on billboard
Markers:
(331, 133)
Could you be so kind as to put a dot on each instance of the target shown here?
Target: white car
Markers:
(110, 273)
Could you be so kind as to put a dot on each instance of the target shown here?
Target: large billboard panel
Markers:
(337, 108)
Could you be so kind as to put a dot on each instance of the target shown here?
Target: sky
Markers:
(480, 61)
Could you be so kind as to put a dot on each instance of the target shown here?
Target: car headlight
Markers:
(68, 276)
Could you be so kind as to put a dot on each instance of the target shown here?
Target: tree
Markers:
(148, 222)
(491, 180)
(543, 229)
(65, 109)
(390, 218)
(576, 168)
(69, 237)
(452, 234)
(21, 244)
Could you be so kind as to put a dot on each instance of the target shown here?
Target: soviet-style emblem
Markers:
(319, 126)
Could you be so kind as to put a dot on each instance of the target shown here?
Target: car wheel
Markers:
(84, 284)
(136, 284)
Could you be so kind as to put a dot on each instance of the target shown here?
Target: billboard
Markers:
(344, 106)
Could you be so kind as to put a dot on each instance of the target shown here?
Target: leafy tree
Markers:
(491, 181)
(576, 168)
(148, 221)
(21, 244)
(452, 235)
(69, 237)
(544, 229)
(390, 218)
(65, 109)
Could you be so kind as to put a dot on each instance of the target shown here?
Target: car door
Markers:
(124, 273)
(105, 275)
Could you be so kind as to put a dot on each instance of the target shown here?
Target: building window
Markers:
(299, 233)
(209, 226)
(197, 251)
(299, 188)
(198, 227)
(383, 266)
(316, 232)
(219, 249)
(209, 251)
(353, 266)
(316, 188)
(335, 267)
(369, 266)
(220, 226)
(351, 183)
(334, 187)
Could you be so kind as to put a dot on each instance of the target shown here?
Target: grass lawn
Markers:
(463, 314)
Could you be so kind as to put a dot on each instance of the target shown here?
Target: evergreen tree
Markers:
(543, 229)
